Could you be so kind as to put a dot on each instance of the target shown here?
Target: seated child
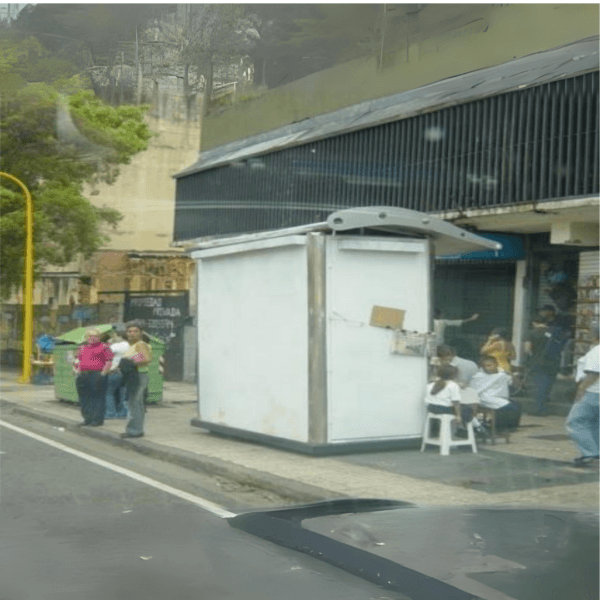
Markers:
(444, 397)
(491, 384)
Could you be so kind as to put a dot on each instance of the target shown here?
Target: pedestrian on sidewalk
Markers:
(582, 422)
(92, 363)
(116, 392)
(136, 360)
(440, 324)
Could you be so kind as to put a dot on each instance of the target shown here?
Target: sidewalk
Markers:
(532, 470)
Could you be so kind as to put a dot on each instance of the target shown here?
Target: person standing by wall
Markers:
(582, 422)
(137, 357)
(440, 324)
(543, 356)
(92, 362)
(560, 325)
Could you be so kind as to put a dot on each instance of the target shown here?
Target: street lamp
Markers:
(28, 288)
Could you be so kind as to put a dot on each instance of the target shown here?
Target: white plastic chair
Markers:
(444, 440)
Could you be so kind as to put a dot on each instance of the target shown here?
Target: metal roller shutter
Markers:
(462, 289)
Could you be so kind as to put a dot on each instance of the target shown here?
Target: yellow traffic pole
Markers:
(28, 287)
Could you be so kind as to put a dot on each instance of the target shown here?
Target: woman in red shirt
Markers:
(92, 362)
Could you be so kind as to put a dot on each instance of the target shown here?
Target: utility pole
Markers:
(28, 287)
(138, 67)
(383, 23)
(121, 79)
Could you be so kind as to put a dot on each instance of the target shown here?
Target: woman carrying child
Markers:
(499, 346)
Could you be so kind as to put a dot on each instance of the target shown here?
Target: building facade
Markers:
(510, 151)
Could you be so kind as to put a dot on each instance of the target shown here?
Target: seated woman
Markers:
(491, 384)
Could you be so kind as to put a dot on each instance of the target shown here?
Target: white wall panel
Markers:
(373, 394)
(253, 347)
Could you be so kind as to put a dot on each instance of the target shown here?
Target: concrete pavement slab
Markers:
(484, 478)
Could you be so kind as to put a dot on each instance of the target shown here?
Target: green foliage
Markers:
(120, 128)
(28, 60)
(50, 69)
(54, 167)
(65, 226)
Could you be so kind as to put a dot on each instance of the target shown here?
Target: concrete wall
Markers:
(437, 42)
(144, 192)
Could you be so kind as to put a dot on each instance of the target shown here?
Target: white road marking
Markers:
(197, 500)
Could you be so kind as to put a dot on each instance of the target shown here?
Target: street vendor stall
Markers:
(316, 340)
(64, 353)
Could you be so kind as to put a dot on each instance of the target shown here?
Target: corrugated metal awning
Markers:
(543, 67)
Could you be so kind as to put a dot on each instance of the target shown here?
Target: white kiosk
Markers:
(287, 353)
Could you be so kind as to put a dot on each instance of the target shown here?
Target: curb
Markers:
(285, 488)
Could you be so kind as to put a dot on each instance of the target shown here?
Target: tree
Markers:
(54, 168)
(205, 36)
(65, 225)
(296, 40)
(93, 36)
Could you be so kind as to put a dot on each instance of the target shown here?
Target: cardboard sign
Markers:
(389, 318)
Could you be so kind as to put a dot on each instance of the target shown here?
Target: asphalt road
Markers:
(72, 529)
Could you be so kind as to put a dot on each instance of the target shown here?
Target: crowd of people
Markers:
(112, 378)
(465, 389)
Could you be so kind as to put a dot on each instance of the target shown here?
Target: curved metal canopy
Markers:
(447, 238)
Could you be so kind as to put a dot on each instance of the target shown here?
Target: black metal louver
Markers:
(531, 145)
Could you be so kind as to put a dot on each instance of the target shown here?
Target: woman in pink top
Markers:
(92, 362)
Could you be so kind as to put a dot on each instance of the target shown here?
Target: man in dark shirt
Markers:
(563, 320)
(543, 346)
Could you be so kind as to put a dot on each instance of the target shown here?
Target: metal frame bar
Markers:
(317, 338)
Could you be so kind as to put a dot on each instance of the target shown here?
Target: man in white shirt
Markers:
(466, 369)
(439, 325)
(491, 385)
(582, 422)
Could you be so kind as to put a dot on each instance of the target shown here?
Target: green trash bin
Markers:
(64, 353)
